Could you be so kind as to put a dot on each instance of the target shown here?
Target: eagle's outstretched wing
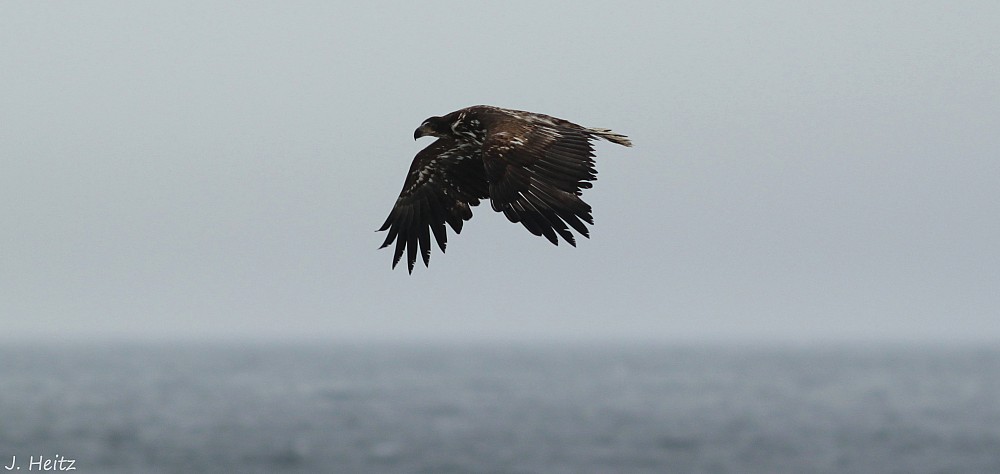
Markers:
(444, 180)
(537, 171)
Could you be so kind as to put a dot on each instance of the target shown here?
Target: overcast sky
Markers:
(802, 171)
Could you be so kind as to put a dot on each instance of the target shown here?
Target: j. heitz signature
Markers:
(42, 463)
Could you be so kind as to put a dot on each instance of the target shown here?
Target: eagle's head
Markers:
(434, 126)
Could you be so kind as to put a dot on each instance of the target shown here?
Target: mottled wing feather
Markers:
(444, 180)
(536, 174)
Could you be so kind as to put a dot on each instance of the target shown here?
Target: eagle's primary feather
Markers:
(532, 167)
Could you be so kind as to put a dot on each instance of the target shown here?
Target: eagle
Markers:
(532, 167)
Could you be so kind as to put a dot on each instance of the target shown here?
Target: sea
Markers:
(396, 407)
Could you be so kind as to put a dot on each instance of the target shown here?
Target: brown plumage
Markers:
(532, 167)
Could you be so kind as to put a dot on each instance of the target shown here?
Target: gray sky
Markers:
(802, 171)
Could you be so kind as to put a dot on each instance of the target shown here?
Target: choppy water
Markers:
(525, 409)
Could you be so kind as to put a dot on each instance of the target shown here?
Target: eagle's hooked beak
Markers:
(422, 131)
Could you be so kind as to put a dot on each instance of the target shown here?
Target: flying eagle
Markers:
(532, 167)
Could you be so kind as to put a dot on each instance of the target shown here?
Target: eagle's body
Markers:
(532, 167)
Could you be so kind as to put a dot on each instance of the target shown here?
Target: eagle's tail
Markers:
(610, 136)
